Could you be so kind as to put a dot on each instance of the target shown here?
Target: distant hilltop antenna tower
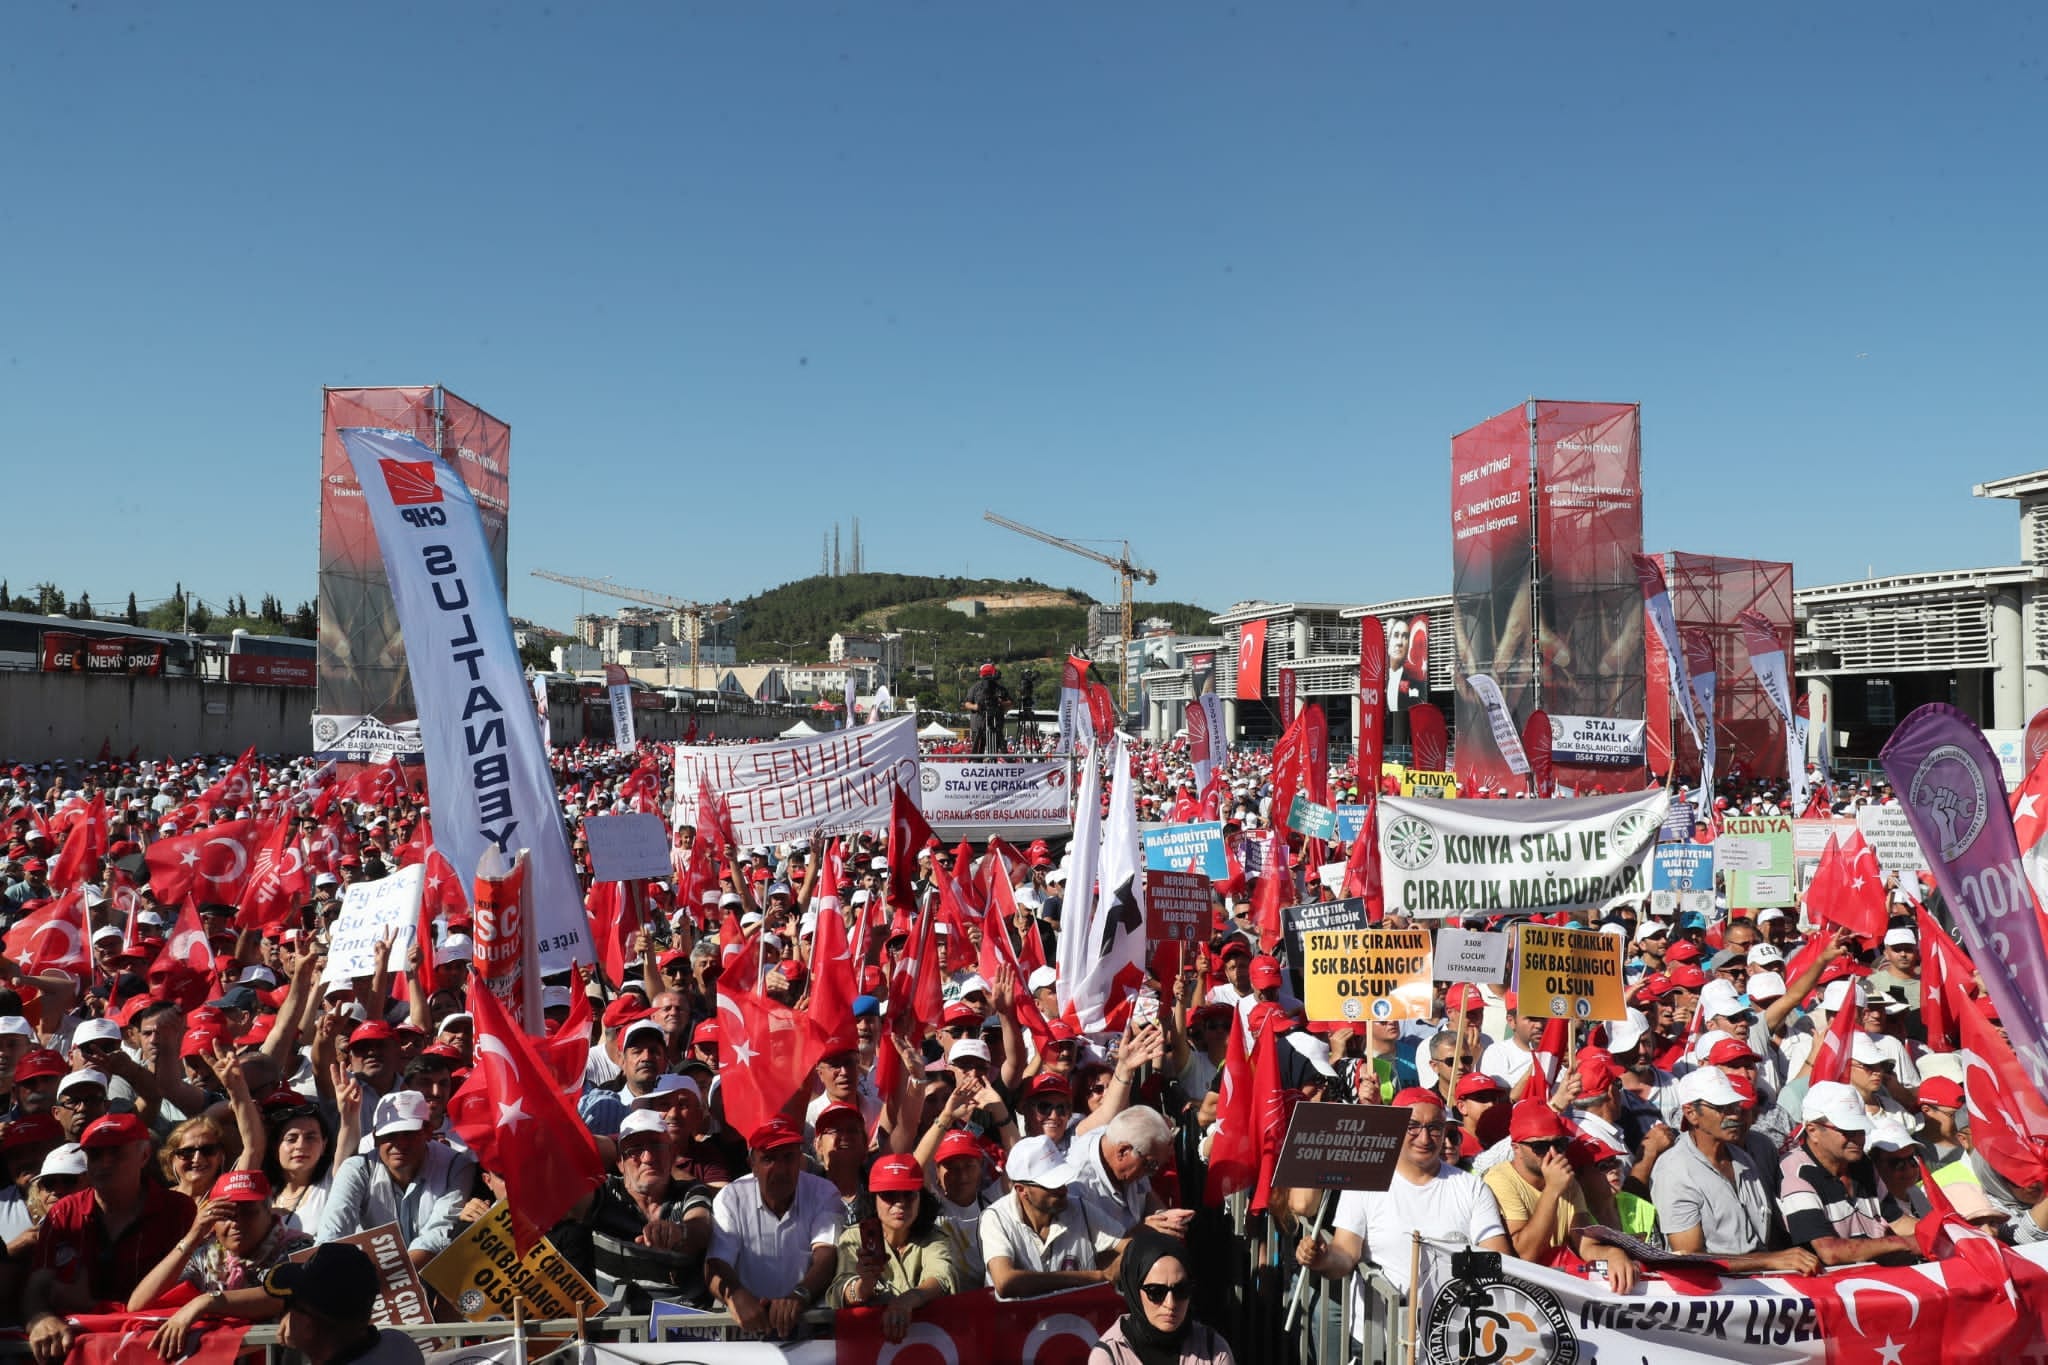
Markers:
(824, 553)
(835, 549)
(856, 545)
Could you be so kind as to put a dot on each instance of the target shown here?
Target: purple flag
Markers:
(1954, 794)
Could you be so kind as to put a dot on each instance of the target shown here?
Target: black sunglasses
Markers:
(1179, 1289)
(1544, 1146)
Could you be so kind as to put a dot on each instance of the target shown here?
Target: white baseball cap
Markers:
(1770, 914)
(642, 1121)
(84, 1076)
(1041, 977)
(449, 1021)
(14, 1026)
(454, 948)
(1901, 937)
(1864, 1049)
(1315, 1050)
(1707, 1085)
(1834, 1103)
(1650, 928)
(1765, 955)
(1035, 1161)
(1887, 1134)
(1838, 992)
(67, 1159)
(556, 998)
(1765, 986)
(106, 931)
(401, 1111)
(646, 1025)
(1624, 1034)
(96, 1031)
(967, 1047)
(664, 1086)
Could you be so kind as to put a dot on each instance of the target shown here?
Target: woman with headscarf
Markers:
(1160, 1328)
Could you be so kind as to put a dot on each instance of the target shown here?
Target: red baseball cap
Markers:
(956, 1144)
(895, 1173)
(1059, 1031)
(1238, 947)
(200, 1041)
(1473, 1084)
(40, 1063)
(776, 1133)
(1464, 996)
(1685, 950)
(1047, 1083)
(1655, 986)
(372, 1031)
(113, 1130)
(1415, 1095)
(29, 1130)
(1265, 972)
(961, 1014)
(838, 1111)
(242, 1186)
(627, 1009)
(1535, 1121)
(1511, 1001)
(1942, 1091)
(1598, 1071)
(1688, 977)
(1730, 1051)
(706, 1032)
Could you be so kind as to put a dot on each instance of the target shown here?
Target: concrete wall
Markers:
(49, 716)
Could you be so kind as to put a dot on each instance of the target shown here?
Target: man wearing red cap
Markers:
(96, 1245)
(774, 1234)
(1446, 1205)
(1540, 1200)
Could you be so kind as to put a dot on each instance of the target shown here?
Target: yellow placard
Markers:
(1358, 976)
(481, 1273)
(1424, 782)
(1568, 973)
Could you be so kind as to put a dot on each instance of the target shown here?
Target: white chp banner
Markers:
(833, 783)
(1502, 722)
(619, 691)
(1596, 741)
(969, 795)
(1441, 858)
(487, 770)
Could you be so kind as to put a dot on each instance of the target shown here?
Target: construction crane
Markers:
(1125, 572)
(689, 615)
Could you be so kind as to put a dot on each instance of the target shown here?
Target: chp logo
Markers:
(1493, 1320)
(414, 486)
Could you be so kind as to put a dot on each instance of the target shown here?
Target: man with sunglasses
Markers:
(1829, 1191)
(1541, 1203)
(97, 1244)
(1446, 1205)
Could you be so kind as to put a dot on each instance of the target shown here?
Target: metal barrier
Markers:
(1259, 1274)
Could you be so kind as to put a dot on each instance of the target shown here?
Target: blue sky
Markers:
(1222, 279)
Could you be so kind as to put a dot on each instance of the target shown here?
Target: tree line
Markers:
(178, 612)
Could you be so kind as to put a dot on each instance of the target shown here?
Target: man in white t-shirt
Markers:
(1449, 1207)
(1512, 1058)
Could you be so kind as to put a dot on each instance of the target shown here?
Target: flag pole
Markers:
(1414, 1287)
(1315, 1232)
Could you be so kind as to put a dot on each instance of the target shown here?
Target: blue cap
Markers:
(1692, 919)
(866, 1004)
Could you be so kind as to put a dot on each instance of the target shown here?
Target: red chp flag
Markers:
(1429, 738)
(183, 971)
(1536, 741)
(84, 847)
(1372, 700)
(1234, 1151)
(513, 1115)
(278, 885)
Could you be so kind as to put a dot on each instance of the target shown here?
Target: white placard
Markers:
(793, 788)
(1773, 888)
(369, 910)
(1890, 836)
(1331, 875)
(626, 848)
(1742, 855)
(1467, 955)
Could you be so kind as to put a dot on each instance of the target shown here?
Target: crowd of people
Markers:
(161, 1156)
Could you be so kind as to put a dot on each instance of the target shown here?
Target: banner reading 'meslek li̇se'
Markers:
(1440, 858)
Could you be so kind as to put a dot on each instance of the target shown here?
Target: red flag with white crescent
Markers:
(209, 866)
(55, 938)
(183, 971)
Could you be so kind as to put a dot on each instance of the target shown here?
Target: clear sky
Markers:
(1222, 279)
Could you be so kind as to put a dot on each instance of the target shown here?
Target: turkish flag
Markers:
(55, 938)
(1848, 890)
(84, 847)
(234, 787)
(768, 1057)
(1362, 868)
(915, 991)
(512, 1113)
(1904, 1315)
(978, 1327)
(566, 1051)
(123, 1339)
(278, 885)
(2008, 1124)
(1274, 892)
(996, 953)
(1831, 1052)
(611, 926)
(415, 849)
(183, 971)
(1234, 1151)
(713, 820)
(835, 977)
(210, 865)
(1944, 976)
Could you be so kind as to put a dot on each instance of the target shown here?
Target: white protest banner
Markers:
(369, 911)
(1596, 741)
(1468, 955)
(1502, 722)
(1890, 836)
(1440, 858)
(966, 794)
(833, 783)
(486, 767)
(625, 848)
(619, 690)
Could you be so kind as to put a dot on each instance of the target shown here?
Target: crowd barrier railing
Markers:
(1259, 1272)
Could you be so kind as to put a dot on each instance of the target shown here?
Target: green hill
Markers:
(1023, 621)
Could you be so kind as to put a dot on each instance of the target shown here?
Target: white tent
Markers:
(799, 730)
(938, 731)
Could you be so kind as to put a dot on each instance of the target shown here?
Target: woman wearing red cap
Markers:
(234, 1239)
(898, 1257)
